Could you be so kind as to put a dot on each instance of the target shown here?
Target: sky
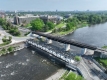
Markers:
(53, 5)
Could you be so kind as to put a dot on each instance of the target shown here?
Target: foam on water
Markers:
(12, 73)
(8, 65)
(15, 53)
(27, 60)
(3, 75)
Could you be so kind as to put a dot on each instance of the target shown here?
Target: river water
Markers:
(24, 65)
(94, 35)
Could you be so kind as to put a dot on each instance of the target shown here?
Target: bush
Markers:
(10, 49)
(3, 49)
(77, 58)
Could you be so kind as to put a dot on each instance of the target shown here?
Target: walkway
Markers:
(57, 75)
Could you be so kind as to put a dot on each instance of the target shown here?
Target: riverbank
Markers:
(10, 48)
(64, 33)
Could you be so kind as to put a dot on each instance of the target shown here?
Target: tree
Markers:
(2, 21)
(4, 39)
(50, 25)
(37, 24)
(3, 49)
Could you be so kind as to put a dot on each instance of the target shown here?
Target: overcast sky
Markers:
(52, 5)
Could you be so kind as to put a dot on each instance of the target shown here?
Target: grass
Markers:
(64, 75)
(104, 47)
(71, 76)
(57, 26)
(82, 25)
(60, 25)
(102, 61)
(63, 32)
(5, 43)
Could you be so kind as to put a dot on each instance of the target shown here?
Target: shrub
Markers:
(10, 49)
(77, 58)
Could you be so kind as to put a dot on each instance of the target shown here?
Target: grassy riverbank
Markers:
(102, 61)
(64, 32)
(71, 76)
(104, 47)
(6, 50)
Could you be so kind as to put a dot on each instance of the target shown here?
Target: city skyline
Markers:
(52, 5)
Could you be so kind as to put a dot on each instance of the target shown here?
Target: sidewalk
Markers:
(57, 75)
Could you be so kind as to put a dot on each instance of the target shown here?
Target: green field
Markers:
(60, 25)
(72, 76)
(104, 47)
(102, 61)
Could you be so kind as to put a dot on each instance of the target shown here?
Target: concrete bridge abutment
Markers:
(49, 41)
(67, 47)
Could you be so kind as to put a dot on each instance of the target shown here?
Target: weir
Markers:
(55, 55)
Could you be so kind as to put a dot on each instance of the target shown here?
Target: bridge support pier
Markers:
(83, 51)
(67, 47)
(40, 37)
(49, 41)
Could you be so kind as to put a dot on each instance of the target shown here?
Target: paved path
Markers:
(57, 75)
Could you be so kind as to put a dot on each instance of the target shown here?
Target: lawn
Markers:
(102, 61)
(104, 47)
(64, 32)
(60, 25)
(71, 76)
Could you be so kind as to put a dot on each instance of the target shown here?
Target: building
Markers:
(53, 18)
(2, 15)
(28, 18)
(24, 19)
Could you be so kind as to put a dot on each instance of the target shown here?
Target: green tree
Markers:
(50, 25)
(2, 21)
(4, 39)
(3, 49)
(37, 24)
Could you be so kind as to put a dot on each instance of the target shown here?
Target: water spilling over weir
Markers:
(24, 65)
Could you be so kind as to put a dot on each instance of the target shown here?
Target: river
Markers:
(94, 35)
(23, 65)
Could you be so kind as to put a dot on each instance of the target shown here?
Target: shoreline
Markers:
(63, 34)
